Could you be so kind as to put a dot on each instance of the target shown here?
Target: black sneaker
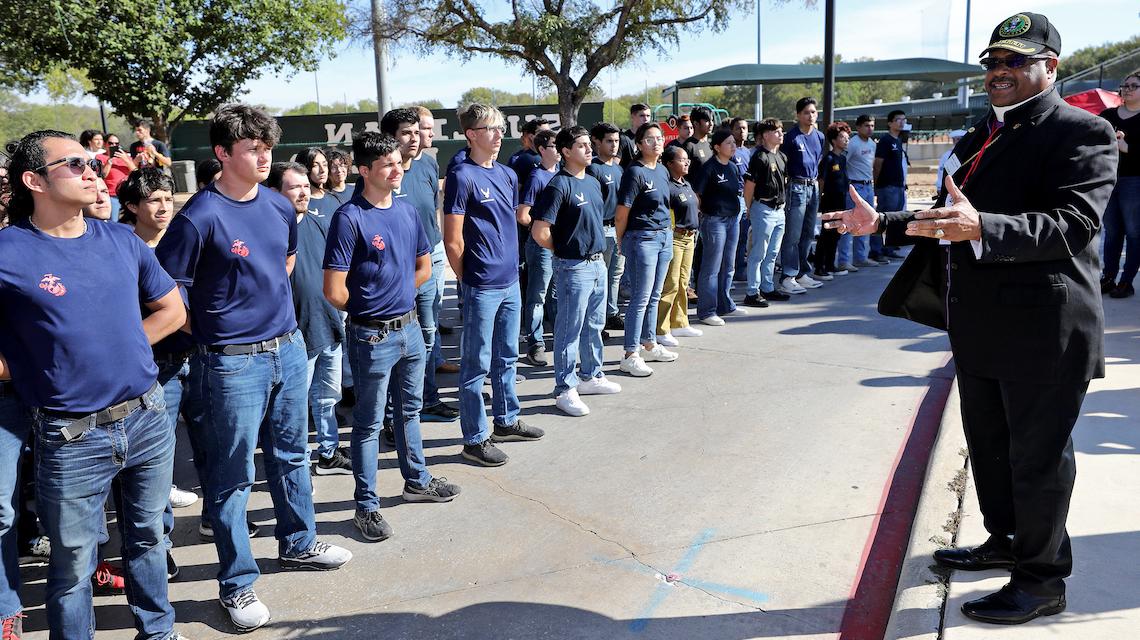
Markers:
(338, 464)
(439, 412)
(485, 454)
(171, 567)
(1122, 291)
(1107, 285)
(388, 434)
(372, 525)
(516, 432)
(775, 295)
(536, 356)
(755, 301)
(438, 490)
(616, 323)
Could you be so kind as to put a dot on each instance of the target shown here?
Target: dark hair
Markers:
(531, 126)
(140, 185)
(670, 154)
(88, 135)
(143, 122)
(834, 129)
(27, 155)
(277, 173)
(700, 114)
(207, 170)
(392, 120)
(638, 107)
(603, 129)
(735, 121)
(370, 146)
(544, 138)
(719, 136)
(233, 122)
(568, 135)
(803, 103)
(307, 158)
(639, 136)
(333, 154)
(894, 114)
(863, 119)
(768, 124)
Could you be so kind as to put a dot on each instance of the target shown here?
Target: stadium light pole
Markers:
(380, 49)
(759, 111)
(963, 87)
(828, 63)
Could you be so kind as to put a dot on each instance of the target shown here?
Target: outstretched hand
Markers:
(860, 220)
(955, 223)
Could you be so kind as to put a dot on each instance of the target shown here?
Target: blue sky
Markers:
(876, 28)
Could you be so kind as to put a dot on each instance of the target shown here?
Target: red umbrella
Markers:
(1094, 100)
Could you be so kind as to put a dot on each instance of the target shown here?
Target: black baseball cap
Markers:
(1026, 33)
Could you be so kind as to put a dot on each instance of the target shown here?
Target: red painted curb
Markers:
(873, 594)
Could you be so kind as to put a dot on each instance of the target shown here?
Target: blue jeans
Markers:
(429, 304)
(764, 247)
(1122, 222)
(615, 267)
(14, 428)
(801, 211)
(718, 264)
(384, 360)
(581, 317)
(489, 344)
(257, 400)
(647, 256)
(73, 480)
(741, 261)
(173, 377)
(323, 380)
(862, 246)
(540, 271)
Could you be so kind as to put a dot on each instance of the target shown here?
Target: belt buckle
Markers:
(119, 411)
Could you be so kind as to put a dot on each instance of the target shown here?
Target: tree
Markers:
(1087, 57)
(566, 42)
(166, 60)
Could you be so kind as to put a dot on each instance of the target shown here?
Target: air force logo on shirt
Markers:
(581, 198)
(609, 179)
(720, 179)
(486, 194)
(649, 186)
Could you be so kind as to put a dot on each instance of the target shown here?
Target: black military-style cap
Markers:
(1027, 33)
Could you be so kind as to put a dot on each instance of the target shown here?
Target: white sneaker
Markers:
(180, 498)
(713, 321)
(808, 282)
(825, 277)
(839, 272)
(791, 287)
(658, 354)
(598, 386)
(635, 366)
(687, 332)
(246, 611)
(667, 340)
(322, 556)
(848, 267)
(570, 404)
(739, 311)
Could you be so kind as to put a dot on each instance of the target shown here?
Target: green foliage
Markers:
(310, 108)
(18, 117)
(1082, 59)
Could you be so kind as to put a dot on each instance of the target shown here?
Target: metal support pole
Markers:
(317, 89)
(759, 111)
(963, 84)
(380, 48)
(828, 64)
(103, 116)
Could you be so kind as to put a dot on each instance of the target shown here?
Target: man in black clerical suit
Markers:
(1007, 263)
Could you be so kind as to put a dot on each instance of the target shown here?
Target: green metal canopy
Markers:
(924, 69)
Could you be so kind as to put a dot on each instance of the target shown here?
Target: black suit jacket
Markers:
(1029, 309)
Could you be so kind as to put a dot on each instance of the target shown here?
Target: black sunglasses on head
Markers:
(1016, 61)
(75, 163)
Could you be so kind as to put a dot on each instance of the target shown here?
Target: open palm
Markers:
(860, 220)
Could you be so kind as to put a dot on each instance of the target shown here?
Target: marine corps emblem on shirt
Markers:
(1014, 26)
(378, 242)
(53, 285)
(238, 248)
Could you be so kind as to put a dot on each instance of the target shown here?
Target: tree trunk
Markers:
(160, 128)
(569, 101)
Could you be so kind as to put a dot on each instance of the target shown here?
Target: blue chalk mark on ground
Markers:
(663, 590)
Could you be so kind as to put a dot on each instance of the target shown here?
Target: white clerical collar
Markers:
(999, 112)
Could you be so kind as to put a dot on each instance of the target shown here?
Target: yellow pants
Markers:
(673, 309)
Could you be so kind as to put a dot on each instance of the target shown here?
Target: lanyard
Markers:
(990, 139)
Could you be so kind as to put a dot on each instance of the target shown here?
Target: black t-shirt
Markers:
(769, 171)
(573, 207)
(719, 187)
(609, 177)
(683, 204)
(833, 173)
(700, 152)
(1129, 162)
(645, 191)
(890, 151)
(627, 149)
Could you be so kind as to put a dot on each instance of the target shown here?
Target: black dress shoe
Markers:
(980, 558)
(1012, 605)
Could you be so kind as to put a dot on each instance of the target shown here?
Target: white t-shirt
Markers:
(860, 159)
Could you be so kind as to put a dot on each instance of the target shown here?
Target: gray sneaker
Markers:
(516, 432)
(322, 556)
(246, 611)
(536, 355)
(485, 454)
(438, 490)
(372, 525)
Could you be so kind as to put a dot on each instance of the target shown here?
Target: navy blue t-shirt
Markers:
(683, 204)
(324, 208)
(318, 320)
(741, 157)
(573, 207)
(890, 151)
(73, 333)
(459, 158)
(803, 151)
(646, 192)
(231, 255)
(487, 198)
(609, 177)
(421, 187)
(719, 186)
(523, 162)
(536, 181)
(378, 248)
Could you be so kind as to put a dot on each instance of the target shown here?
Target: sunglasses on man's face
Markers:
(75, 163)
(1129, 87)
(1016, 61)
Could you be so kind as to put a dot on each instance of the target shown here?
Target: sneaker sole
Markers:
(421, 497)
(638, 374)
(246, 629)
(183, 504)
(287, 563)
(331, 472)
(485, 463)
(573, 414)
(513, 438)
(599, 392)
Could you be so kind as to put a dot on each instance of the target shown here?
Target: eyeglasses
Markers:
(500, 129)
(1016, 61)
(75, 163)
(1129, 87)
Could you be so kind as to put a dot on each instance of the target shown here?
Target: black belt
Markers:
(802, 180)
(113, 413)
(386, 324)
(271, 344)
(173, 358)
(862, 182)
